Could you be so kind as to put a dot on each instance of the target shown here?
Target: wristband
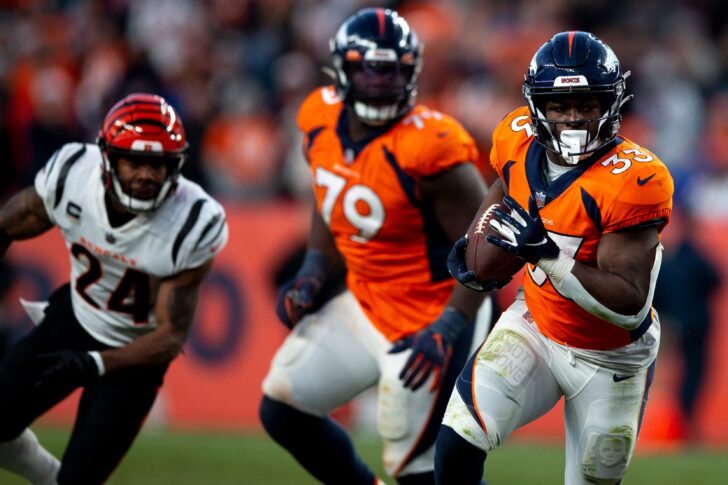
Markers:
(99, 362)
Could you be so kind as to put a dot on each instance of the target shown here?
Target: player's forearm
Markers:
(611, 290)
(175, 311)
(466, 301)
(321, 240)
(601, 293)
(156, 348)
(22, 217)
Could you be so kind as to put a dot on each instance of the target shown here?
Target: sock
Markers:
(320, 445)
(456, 460)
(25, 456)
(426, 478)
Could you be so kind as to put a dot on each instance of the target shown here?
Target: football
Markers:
(487, 260)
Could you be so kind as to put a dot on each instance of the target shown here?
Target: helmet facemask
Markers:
(379, 91)
(582, 137)
(123, 195)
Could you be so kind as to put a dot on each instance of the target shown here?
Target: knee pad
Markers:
(392, 409)
(460, 419)
(277, 383)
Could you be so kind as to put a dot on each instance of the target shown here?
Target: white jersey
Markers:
(116, 271)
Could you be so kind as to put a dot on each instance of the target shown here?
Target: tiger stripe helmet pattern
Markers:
(142, 126)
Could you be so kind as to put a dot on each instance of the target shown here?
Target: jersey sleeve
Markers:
(49, 181)
(511, 133)
(645, 196)
(318, 110)
(495, 161)
(442, 146)
(203, 236)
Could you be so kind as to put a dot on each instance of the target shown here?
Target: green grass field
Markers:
(162, 458)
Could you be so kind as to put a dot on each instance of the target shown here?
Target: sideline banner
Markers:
(216, 382)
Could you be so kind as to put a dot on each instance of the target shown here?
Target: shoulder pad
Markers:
(646, 190)
(512, 133)
(430, 142)
(321, 107)
(50, 181)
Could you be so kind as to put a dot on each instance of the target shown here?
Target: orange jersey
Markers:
(368, 194)
(623, 186)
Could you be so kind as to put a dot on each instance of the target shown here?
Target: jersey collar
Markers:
(544, 192)
(353, 149)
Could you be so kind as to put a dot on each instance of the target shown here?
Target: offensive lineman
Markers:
(588, 209)
(141, 239)
(395, 185)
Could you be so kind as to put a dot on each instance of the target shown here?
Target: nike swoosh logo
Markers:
(641, 181)
(621, 377)
(540, 243)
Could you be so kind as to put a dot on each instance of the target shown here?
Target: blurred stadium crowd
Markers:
(237, 71)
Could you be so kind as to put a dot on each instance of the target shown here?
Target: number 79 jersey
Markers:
(116, 271)
(620, 186)
(368, 194)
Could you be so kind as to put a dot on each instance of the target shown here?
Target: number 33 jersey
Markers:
(116, 271)
(368, 195)
(620, 186)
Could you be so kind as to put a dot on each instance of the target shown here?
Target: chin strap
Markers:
(135, 205)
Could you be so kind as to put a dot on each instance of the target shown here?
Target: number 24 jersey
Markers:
(116, 271)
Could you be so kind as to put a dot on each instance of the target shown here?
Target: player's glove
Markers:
(299, 296)
(431, 349)
(523, 232)
(459, 270)
(67, 368)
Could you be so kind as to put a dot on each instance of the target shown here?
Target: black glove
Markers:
(296, 298)
(66, 368)
(299, 296)
(431, 349)
(459, 270)
(523, 232)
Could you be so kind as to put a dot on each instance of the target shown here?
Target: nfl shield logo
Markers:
(540, 199)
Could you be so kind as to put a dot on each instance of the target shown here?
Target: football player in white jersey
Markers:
(141, 239)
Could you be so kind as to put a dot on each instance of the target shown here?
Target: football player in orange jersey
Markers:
(394, 187)
(585, 209)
